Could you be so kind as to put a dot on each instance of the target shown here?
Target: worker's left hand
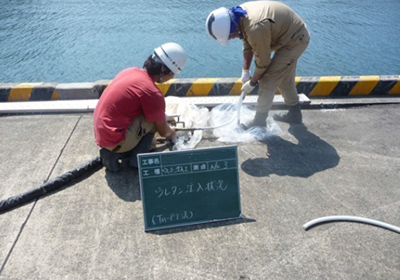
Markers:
(247, 87)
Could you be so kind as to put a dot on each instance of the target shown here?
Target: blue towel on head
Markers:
(236, 14)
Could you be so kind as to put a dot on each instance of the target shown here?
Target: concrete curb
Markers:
(324, 86)
(88, 105)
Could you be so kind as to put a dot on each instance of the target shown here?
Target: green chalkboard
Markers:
(189, 187)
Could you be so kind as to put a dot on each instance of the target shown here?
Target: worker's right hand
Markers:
(247, 87)
(172, 134)
(246, 75)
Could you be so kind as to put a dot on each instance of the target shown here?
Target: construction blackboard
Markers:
(189, 187)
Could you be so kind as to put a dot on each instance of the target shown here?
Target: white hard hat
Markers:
(218, 25)
(173, 56)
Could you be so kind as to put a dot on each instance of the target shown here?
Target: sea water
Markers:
(86, 41)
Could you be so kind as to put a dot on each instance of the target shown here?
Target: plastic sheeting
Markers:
(221, 122)
(192, 116)
(232, 133)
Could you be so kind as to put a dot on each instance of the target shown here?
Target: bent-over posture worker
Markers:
(265, 27)
(132, 108)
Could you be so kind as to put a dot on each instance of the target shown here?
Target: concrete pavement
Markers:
(341, 162)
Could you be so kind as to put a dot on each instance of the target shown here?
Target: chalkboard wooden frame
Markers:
(181, 188)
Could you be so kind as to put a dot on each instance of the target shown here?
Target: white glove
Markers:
(246, 75)
(247, 87)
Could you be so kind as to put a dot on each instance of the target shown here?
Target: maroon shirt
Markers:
(130, 94)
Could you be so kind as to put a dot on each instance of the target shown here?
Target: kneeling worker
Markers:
(132, 108)
(265, 27)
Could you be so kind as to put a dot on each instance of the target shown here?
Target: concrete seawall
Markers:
(323, 86)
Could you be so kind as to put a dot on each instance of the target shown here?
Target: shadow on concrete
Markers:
(310, 155)
(203, 226)
(125, 183)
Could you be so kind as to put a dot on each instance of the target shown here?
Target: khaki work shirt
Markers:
(267, 26)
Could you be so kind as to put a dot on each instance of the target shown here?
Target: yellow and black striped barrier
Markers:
(50, 91)
(342, 86)
(27, 91)
(323, 86)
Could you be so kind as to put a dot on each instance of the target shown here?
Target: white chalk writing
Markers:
(179, 169)
(160, 219)
(210, 186)
(217, 165)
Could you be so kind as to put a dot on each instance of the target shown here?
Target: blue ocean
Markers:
(85, 41)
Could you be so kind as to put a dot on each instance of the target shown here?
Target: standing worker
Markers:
(132, 108)
(265, 27)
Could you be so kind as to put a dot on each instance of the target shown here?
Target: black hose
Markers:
(50, 186)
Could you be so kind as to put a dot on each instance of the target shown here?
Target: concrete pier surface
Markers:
(342, 161)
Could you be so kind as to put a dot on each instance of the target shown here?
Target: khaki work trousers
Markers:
(281, 73)
(138, 128)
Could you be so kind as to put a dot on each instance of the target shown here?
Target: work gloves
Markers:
(248, 87)
(246, 75)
